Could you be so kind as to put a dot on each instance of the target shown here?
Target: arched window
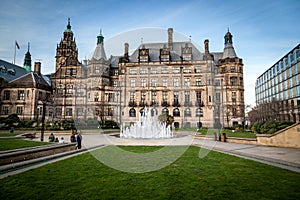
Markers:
(165, 111)
(176, 112)
(153, 112)
(187, 112)
(142, 111)
(199, 112)
(132, 112)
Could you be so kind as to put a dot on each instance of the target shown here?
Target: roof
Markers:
(31, 79)
(154, 51)
(99, 52)
(9, 71)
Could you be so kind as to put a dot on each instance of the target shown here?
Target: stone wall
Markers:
(288, 137)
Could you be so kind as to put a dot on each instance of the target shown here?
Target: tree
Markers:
(10, 120)
(168, 119)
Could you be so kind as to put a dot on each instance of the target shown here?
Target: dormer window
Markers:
(186, 53)
(164, 54)
(143, 55)
(11, 71)
(3, 69)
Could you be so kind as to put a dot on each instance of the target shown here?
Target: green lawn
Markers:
(9, 134)
(230, 133)
(217, 176)
(19, 143)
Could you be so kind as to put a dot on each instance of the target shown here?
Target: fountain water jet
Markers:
(147, 127)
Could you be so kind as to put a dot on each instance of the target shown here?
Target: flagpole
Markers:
(15, 53)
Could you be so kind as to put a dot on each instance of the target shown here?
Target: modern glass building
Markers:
(277, 90)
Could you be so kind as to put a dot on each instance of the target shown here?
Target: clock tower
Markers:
(66, 51)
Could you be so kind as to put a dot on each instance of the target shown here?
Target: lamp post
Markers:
(43, 121)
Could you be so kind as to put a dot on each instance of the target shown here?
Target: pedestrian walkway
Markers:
(287, 158)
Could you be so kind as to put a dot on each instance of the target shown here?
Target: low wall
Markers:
(230, 139)
(288, 137)
(8, 157)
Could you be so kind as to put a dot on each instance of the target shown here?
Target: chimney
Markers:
(170, 38)
(206, 42)
(126, 49)
(37, 67)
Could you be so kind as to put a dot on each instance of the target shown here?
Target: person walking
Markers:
(78, 138)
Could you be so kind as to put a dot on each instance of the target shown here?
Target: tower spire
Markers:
(100, 37)
(228, 49)
(27, 60)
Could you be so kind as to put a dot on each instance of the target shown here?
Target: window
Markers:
(58, 111)
(198, 81)
(60, 89)
(153, 70)
(165, 111)
(217, 82)
(97, 70)
(6, 95)
(132, 112)
(153, 112)
(199, 112)
(132, 96)
(232, 69)
(5, 110)
(165, 82)
(176, 112)
(132, 83)
(111, 97)
(164, 95)
(143, 70)
(21, 95)
(175, 82)
(153, 82)
(176, 70)
(198, 97)
(187, 70)
(69, 89)
(176, 96)
(116, 72)
(96, 96)
(143, 82)
(165, 70)
(132, 71)
(198, 69)
(143, 58)
(187, 112)
(186, 81)
(80, 112)
(187, 97)
(233, 81)
(233, 96)
(153, 97)
(115, 83)
(19, 110)
(69, 112)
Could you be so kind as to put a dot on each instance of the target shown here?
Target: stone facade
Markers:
(200, 89)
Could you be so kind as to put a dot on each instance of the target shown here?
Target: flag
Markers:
(17, 45)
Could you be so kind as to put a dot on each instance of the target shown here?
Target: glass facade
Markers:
(280, 82)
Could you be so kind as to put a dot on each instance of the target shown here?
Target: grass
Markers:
(217, 176)
(9, 134)
(18, 143)
(229, 133)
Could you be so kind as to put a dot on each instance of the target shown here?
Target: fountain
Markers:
(147, 127)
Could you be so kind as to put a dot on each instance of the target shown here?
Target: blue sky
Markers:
(263, 30)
